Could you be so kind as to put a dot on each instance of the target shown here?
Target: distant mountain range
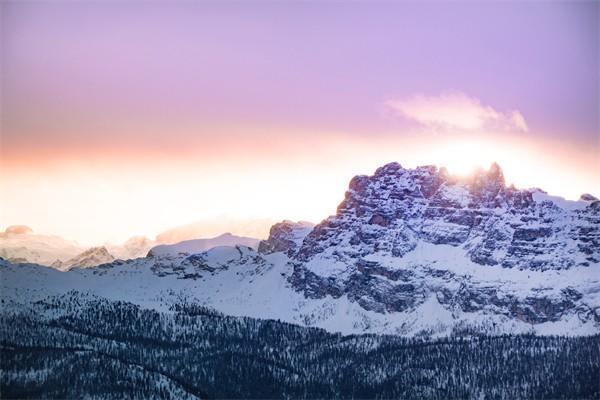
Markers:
(413, 252)
(19, 244)
(211, 227)
(195, 246)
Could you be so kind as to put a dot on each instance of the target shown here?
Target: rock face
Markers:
(285, 236)
(90, 258)
(391, 211)
(409, 251)
(403, 236)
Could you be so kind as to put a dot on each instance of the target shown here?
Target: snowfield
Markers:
(239, 281)
(412, 252)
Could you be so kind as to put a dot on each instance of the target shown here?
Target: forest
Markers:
(78, 346)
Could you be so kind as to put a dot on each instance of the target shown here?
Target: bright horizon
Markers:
(170, 114)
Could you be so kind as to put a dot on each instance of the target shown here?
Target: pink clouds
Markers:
(457, 111)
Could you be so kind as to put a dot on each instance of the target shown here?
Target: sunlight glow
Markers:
(145, 195)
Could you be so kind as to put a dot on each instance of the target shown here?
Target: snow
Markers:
(227, 274)
(300, 231)
(457, 194)
(454, 259)
(200, 245)
(540, 196)
(42, 249)
(327, 267)
(249, 284)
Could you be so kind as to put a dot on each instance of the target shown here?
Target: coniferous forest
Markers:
(76, 346)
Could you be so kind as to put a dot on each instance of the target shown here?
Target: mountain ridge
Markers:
(409, 251)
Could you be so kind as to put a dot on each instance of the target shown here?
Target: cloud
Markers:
(456, 110)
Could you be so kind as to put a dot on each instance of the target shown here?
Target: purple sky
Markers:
(313, 65)
(122, 82)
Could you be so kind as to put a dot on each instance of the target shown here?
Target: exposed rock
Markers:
(387, 216)
(588, 197)
(408, 251)
(134, 247)
(286, 236)
(90, 258)
(498, 225)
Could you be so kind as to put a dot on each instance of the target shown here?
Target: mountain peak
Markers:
(18, 230)
(285, 236)
(588, 197)
(393, 210)
(389, 169)
(90, 258)
(495, 173)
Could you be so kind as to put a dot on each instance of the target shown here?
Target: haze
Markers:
(126, 118)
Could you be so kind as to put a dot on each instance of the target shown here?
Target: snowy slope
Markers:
(23, 245)
(401, 235)
(411, 252)
(239, 281)
(90, 258)
(20, 244)
(286, 236)
(198, 245)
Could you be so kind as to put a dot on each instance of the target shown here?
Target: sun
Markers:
(463, 158)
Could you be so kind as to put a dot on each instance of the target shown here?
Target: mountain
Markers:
(113, 350)
(134, 247)
(90, 258)
(414, 252)
(405, 238)
(18, 243)
(188, 247)
(209, 227)
(286, 236)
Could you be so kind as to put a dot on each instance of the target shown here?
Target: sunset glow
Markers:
(154, 194)
(114, 127)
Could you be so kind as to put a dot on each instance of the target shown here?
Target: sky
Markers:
(123, 118)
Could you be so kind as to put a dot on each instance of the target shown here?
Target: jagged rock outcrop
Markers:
(285, 236)
(409, 251)
(403, 236)
(212, 261)
(90, 258)
(394, 209)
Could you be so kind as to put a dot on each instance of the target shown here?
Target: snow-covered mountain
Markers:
(134, 247)
(210, 227)
(90, 258)
(20, 244)
(188, 247)
(393, 211)
(286, 236)
(409, 251)
(405, 237)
